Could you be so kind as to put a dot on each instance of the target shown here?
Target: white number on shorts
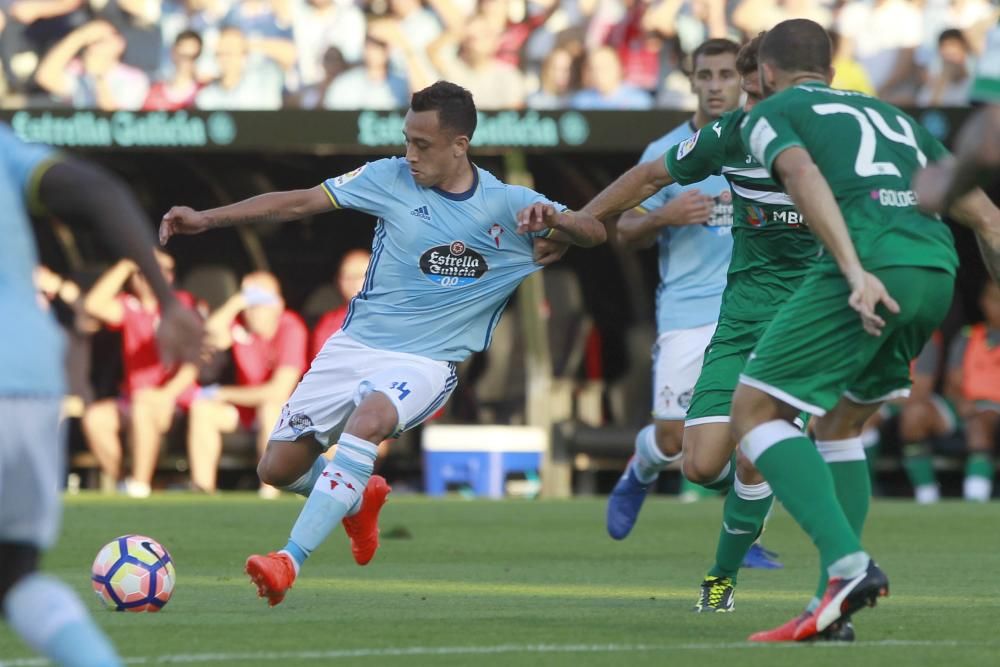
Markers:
(449, 281)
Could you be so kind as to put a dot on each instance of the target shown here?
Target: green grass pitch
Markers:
(460, 582)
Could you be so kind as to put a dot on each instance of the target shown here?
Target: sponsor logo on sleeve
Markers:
(687, 145)
(344, 179)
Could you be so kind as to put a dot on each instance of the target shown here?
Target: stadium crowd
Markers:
(512, 54)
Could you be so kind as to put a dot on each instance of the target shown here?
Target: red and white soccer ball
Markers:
(133, 573)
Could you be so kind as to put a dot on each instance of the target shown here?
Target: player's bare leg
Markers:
(267, 415)
(101, 427)
(208, 420)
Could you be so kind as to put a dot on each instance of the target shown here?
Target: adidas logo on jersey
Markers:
(421, 212)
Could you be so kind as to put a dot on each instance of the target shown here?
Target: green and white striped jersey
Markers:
(772, 248)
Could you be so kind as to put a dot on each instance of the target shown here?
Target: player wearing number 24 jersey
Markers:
(847, 161)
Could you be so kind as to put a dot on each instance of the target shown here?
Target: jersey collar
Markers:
(461, 196)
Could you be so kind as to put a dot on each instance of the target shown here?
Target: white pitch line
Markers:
(197, 658)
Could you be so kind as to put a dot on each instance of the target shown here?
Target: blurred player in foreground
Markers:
(39, 608)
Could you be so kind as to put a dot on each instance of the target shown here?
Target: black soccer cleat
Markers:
(844, 597)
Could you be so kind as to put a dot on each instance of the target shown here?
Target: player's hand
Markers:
(180, 335)
(548, 252)
(536, 218)
(182, 220)
(867, 292)
(931, 186)
(691, 207)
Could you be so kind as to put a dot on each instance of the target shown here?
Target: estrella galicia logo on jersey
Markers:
(453, 265)
(722, 215)
(422, 213)
(687, 145)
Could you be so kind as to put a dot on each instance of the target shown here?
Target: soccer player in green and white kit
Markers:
(772, 252)
(913, 252)
(816, 356)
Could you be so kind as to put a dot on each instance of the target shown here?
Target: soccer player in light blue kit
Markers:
(693, 227)
(448, 252)
(41, 609)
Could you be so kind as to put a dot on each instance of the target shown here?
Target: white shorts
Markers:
(345, 372)
(32, 465)
(677, 360)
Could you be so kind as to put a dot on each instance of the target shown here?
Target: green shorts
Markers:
(725, 358)
(816, 351)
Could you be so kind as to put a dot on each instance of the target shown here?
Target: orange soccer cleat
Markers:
(273, 575)
(782, 633)
(362, 528)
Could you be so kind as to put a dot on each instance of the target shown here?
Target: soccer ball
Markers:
(133, 573)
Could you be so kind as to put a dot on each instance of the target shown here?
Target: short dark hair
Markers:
(746, 59)
(713, 47)
(953, 33)
(189, 34)
(455, 108)
(797, 45)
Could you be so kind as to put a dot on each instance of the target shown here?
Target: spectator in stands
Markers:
(269, 345)
(370, 85)
(556, 83)
(639, 46)
(267, 27)
(690, 22)
(311, 96)
(151, 394)
(886, 34)
(321, 25)
(675, 89)
(245, 81)
(925, 416)
(29, 28)
(974, 380)
(204, 17)
(178, 91)
(468, 56)
(849, 74)
(605, 88)
(86, 70)
(138, 22)
(512, 35)
(949, 73)
(754, 16)
(350, 279)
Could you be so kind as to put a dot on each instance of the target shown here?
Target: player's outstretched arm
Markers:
(976, 211)
(71, 188)
(813, 197)
(270, 207)
(630, 189)
(574, 227)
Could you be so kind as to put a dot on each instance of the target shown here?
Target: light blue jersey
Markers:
(31, 352)
(443, 265)
(694, 258)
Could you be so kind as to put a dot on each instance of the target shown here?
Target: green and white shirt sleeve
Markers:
(698, 157)
(768, 132)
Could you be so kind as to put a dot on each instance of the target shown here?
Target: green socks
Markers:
(803, 482)
(743, 518)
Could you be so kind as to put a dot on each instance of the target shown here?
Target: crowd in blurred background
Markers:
(512, 54)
